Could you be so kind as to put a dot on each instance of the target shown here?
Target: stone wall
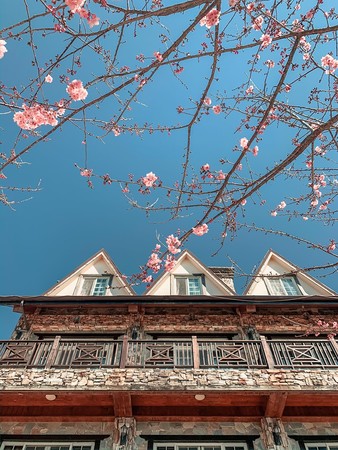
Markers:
(168, 379)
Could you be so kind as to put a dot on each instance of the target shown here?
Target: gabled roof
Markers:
(112, 269)
(200, 268)
(288, 268)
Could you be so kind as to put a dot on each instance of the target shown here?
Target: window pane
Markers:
(275, 286)
(290, 286)
(181, 286)
(86, 286)
(194, 286)
(100, 286)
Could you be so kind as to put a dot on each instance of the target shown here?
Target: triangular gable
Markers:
(187, 264)
(273, 265)
(99, 264)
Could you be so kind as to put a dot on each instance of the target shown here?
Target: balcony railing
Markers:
(181, 353)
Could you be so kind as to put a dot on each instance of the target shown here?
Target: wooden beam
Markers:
(122, 404)
(198, 419)
(275, 405)
(34, 419)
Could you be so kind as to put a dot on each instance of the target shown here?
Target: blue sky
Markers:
(46, 237)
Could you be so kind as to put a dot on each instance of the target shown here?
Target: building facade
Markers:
(189, 365)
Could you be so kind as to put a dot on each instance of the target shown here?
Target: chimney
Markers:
(225, 274)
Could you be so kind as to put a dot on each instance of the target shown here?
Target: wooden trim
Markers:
(53, 353)
(195, 352)
(267, 352)
(124, 352)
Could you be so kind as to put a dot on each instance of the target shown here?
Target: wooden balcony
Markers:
(191, 353)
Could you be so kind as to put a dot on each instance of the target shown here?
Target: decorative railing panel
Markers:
(172, 353)
(223, 354)
(296, 354)
(160, 354)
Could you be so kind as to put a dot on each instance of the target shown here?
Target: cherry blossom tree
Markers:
(269, 69)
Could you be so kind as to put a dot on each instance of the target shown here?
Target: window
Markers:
(191, 285)
(46, 446)
(282, 286)
(198, 446)
(94, 285)
(322, 446)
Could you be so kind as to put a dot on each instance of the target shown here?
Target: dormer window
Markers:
(93, 285)
(282, 285)
(189, 285)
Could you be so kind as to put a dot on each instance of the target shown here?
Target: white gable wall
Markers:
(276, 266)
(97, 267)
(167, 285)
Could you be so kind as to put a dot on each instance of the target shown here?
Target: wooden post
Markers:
(268, 353)
(53, 352)
(124, 353)
(195, 352)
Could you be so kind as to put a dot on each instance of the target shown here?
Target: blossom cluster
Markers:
(76, 7)
(3, 49)
(173, 244)
(281, 206)
(154, 262)
(200, 229)
(329, 63)
(76, 90)
(33, 116)
(211, 18)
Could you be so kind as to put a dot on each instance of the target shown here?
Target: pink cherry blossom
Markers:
(149, 179)
(3, 49)
(86, 172)
(84, 13)
(255, 150)
(329, 63)
(205, 168)
(49, 79)
(332, 246)
(217, 109)
(33, 116)
(211, 19)
(2, 176)
(76, 90)
(270, 63)
(249, 90)
(233, 3)
(200, 229)
(158, 56)
(243, 142)
(173, 244)
(243, 202)
(305, 218)
(169, 263)
(220, 176)
(154, 262)
(93, 21)
(257, 23)
(273, 213)
(147, 279)
(266, 40)
(282, 205)
(75, 5)
(207, 101)
(250, 7)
